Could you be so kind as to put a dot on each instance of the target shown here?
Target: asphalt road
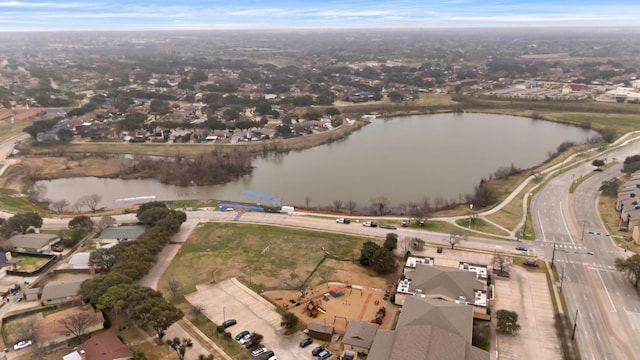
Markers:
(604, 300)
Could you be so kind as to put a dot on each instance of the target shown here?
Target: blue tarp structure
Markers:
(225, 206)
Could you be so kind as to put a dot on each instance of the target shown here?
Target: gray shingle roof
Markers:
(360, 334)
(33, 241)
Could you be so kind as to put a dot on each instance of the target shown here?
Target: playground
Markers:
(336, 304)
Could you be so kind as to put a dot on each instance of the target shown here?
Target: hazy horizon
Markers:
(117, 15)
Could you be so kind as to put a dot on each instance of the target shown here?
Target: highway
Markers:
(607, 305)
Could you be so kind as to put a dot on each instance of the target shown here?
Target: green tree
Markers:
(289, 320)
(20, 223)
(610, 187)
(159, 107)
(598, 164)
(507, 322)
(82, 223)
(391, 242)
(263, 108)
(256, 340)
(395, 96)
(367, 252)
(631, 164)
(157, 314)
(114, 299)
(631, 267)
(180, 346)
(331, 111)
(152, 215)
(383, 262)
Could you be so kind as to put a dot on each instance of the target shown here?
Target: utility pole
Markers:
(561, 278)
(575, 324)
(553, 255)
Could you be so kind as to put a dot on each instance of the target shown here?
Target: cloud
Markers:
(33, 5)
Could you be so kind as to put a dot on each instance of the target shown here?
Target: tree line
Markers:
(116, 289)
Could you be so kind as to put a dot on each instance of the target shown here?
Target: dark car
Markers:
(305, 342)
(248, 344)
(56, 248)
(317, 350)
(229, 323)
(242, 334)
(521, 248)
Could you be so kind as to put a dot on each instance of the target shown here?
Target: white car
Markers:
(369, 224)
(257, 352)
(343, 221)
(245, 339)
(21, 344)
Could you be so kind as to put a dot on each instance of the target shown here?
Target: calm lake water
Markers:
(402, 158)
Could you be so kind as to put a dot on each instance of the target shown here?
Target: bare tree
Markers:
(379, 204)
(501, 263)
(455, 237)
(425, 207)
(173, 287)
(351, 205)
(307, 201)
(106, 221)
(34, 334)
(77, 206)
(403, 206)
(417, 244)
(77, 323)
(91, 201)
(59, 205)
(337, 204)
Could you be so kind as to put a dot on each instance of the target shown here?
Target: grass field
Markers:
(29, 263)
(265, 257)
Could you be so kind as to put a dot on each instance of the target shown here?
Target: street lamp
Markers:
(470, 214)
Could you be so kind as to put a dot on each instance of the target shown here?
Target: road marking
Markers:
(544, 237)
(607, 292)
(566, 226)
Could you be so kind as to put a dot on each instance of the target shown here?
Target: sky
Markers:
(58, 15)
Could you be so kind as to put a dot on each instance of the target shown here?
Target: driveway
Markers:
(527, 294)
(230, 299)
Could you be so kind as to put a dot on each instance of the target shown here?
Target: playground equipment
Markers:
(313, 307)
(382, 311)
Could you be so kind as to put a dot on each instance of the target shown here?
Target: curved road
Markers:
(607, 306)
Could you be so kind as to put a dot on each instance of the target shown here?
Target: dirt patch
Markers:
(320, 306)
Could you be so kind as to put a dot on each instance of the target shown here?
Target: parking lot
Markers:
(527, 294)
(230, 299)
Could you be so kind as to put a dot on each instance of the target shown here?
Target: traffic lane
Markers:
(229, 299)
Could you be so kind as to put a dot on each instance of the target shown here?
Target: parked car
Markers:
(369, 224)
(229, 323)
(317, 350)
(57, 248)
(21, 344)
(259, 351)
(305, 342)
(325, 354)
(343, 221)
(245, 339)
(242, 334)
(248, 344)
(521, 248)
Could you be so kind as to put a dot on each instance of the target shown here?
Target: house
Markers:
(33, 243)
(429, 329)
(59, 291)
(31, 294)
(439, 282)
(320, 331)
(359, 336)
(79, 261)
(103, 346)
